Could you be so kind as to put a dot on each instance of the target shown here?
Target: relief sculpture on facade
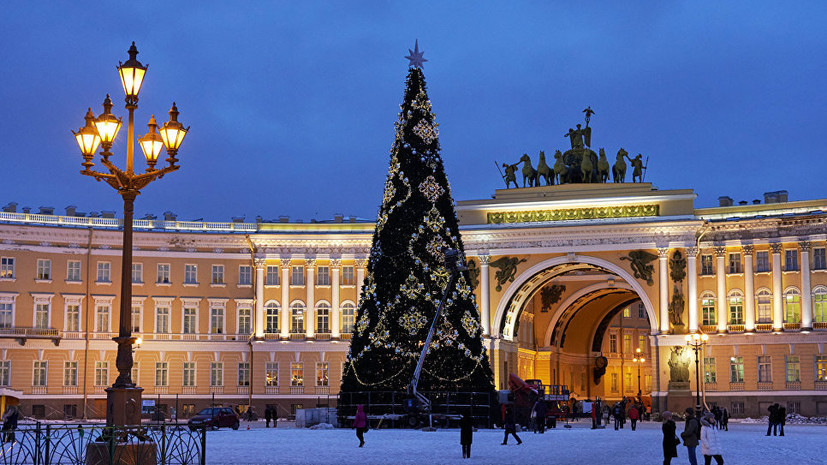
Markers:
(506, 270)
(640, 263)
(677, 271)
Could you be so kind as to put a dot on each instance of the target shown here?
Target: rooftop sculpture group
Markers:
(579, 164)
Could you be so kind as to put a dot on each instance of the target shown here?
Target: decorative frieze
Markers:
(583, 213)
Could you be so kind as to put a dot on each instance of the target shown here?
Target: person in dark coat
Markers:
(773, 419)
(782, 418)
(466, 435)
(691, 435)
(10, 423)
(540, 415)
(725, 419)
(510, 426)
(617, 413)
(268, 414)
(360, 422)
(670, 440)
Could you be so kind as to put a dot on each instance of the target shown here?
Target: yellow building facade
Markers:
(572, 281)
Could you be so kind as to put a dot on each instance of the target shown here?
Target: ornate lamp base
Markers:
(123, 406)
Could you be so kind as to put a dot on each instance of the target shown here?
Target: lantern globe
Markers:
(132, 74)
(87, 136)
(173, 132)
(107, 124)
(151, 143)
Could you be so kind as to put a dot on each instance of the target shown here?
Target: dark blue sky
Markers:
(292, 104)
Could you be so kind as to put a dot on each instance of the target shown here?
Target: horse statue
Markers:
(529, 173)
(509, 175)
(619, 168)
(560, 170)
(543, 171)
(586, 167)
(603, 167)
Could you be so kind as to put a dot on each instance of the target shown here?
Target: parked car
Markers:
(214, 417)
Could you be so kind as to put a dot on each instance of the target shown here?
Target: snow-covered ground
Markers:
(744, 444)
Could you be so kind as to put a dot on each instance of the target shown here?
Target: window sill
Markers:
(7, 280)
(163, 284)
(271, 286)
(103, 283)
(819, 270)
(739, 274)
(297, 286)
(68, 282)
(190, 284)
(137, 283)
(323, 286)
(790, 271)
(348, 286)
(43, 281)
(218, 285)
(244, 286)
(766, 272)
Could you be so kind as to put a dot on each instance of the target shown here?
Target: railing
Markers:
(710, 386)
(161, 390)
(763, 327)
(70, 389)
(245, 390)
(99, 389)
(346, 336)
(216, 389)
(169, 444)
(736, 328)
(72, 335)
(793, 385)
(30, 332)
(322, 390)
(820, 386)
(322, 336)
(271, 390)
(272, 336)
(792, 326)
(188, 390)
(819, 325)
(38, 389)
(709, 329)
(765, 386)
(296, 336)
(296, 389)
(736, 386)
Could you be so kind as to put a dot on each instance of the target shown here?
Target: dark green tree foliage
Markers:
(406, 273)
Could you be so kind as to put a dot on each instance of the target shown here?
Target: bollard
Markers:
(204, 445)
(36, 458)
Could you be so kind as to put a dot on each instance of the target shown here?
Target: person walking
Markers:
(617, 413)
(540, 415)
(268, 414)
(710, 445)
(670, 439)
(466, 435)
(510, 427)
(360, 422)
(606, 413)
(633, 417)
(691, 435)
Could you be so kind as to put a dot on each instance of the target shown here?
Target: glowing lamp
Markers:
(87, 137)
(108, 124)
(132, 74)
(173, 132)
(151, 144)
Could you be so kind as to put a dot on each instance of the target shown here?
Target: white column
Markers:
(749, 288)
(663, 283)
(806, 291)
(692, 283)
(310, 312)
(336, 312)
(777, 291)
(720, 275)
(285, 299)
(260, 265)
(485, 299)
(360, 276)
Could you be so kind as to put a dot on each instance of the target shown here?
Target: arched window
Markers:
(708, 309)
(348, 317)
(736, 307)
(297, 318)
(820, 304)
(271, 322)
(322, 317)
(763, 305)
(792, 305)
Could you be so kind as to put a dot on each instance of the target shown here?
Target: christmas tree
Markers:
(407, 274)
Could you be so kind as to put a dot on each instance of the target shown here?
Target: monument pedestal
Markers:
(123, 406)
(679, 397)
(123, 412)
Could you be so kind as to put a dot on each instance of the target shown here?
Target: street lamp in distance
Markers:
(639, 360)
(696, 341)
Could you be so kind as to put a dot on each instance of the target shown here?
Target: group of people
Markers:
(624, 410)
(270, 413)
(778, 417)
(697, 431)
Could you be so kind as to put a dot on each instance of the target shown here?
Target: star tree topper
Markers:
(415, 56)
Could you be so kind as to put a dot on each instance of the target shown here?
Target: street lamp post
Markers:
(123, 398)
(696, 342)
(639, 360)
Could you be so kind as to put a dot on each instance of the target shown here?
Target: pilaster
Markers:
(777, 296)
(720, 275)
(485, 298)
(749, 287)
(692, 284)
(663, 285)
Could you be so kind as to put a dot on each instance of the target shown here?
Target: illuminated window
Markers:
(322, 374)
(763, 304)
(6, 268)
(272, 318)
(708, 309)
(244, 374)
(271, 374)
(44, 269)
(706, 265)
(792, 306)
(323, 318)
(613, 343)
(793, 368)
(736, 369)
(297, 318)
(736, 308)
(821, 367)
(297, 374)
(735, 263)
(627, 312)
(348, 317)
(710, 372)
(820, 304)
(627, 343)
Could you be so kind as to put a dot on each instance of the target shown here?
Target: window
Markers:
(736, 308)
(297, 318)
(614, 382)
(162, 274)
(736, 369)
(641, 342)
(641, 311)
(72, 317)
(627, 312)
(189, 320)
(820, 304)
(297, 276)
(136, 318)
(104, 272)
(41, 315)
(245, 275)
(243, 374)
(710, 371)
(348, 278)
(793, 368)
(613, 343)
(39, 373)
(217, 320)
(271, 374)
(348, 317)
(706, 265)
(6, 268)
(245, 325)
(138, 273)
(162, 374)
(5, 373)
(323, 276)
(762, 261)
(627, 381)
(323, 318)
(162, 320)
(764, 369)
(73, 270)
(735, 263)
(272, 277)
(821, 367)
(708, 309)
(791, 260)
(6, 313)
(189, 374)
(102, 318)
(44, 269)
(216, 374)
(819, 259)
(627, 343)
(297, 374)
(217, 275)
(736, 408)
(792, 306)
(190, 274)
(793, 407)
(70, 373)
(101, 373)
(271, 318)
(322, 372)
(763, 304)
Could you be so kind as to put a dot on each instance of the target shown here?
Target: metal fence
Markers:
(83, 444)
